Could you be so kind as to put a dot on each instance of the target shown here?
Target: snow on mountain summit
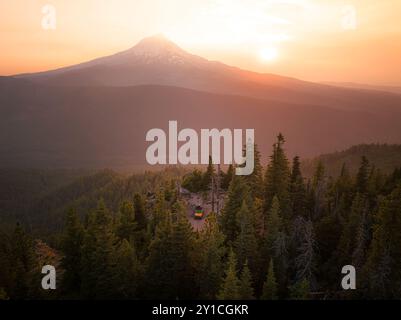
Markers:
(156, 45)
(154, 49)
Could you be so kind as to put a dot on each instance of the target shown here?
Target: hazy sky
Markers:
(318, 40)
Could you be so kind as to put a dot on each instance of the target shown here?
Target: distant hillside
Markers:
(40, 198)
(384, 156)
(96, 114)
(20, 189)
(362, 86)
(105, 127)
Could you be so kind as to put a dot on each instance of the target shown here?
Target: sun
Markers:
(268, 54)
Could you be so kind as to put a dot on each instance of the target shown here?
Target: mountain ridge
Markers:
(385, 157)
(140, 65)
(101, 127)
(97, 114)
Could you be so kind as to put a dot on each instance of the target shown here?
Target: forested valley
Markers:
(278, 235)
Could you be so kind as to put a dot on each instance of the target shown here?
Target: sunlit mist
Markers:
(315, 40)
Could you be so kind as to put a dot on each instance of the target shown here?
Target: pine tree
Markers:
(230, 284)
(142, 233)
(71, 246)
(127, 225)
(160, 208)
(297, 190)
(88, 260)
(255, 179)
(348, 242)
(280, 258)
(384, 262)
(318, 190)
(209, 175)
(296, 169)
(246, 290)
(277, 178)
(362, 237)
(24, 259)
(213, 250)
(127, 271)
(305, 261)
(362, 176)
(275, 245)
(170, 191)
(246, 246)
(376, 182)
(270, 285)
(181, 251)
(171, 253)
(259, 220)
(300, 290)
(227, 177)
(140, 213)
(340, 195)
(3, 295)
(160, 263)
(273, 225)
(318, 176)
(237, 193)
(328, 232)
(98, 255)
(193, 181)
(6, 265)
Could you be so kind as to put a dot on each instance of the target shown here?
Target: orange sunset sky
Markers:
(317, 40)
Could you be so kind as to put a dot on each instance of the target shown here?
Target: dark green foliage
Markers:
(229, 218)
(208, 176)
(126, 225)
(42, 207)
(317, 191)
(159, 262)
(384, 261)
(353, 242)
(246, 246)
(140, 211)
(305, 255)
(6, 266)
(270, 285)
(246, 291)
(98, 255)
(23, 257)
(23, 260)
(182, 249)
(71, 245)
(127, 271)
(230, 289)
(277, 179)
(194, 181)
(255, 180)
(273, 226)
(227, 177)
(300, 290)
(297, 190)
(169, 267)
(362, 176)
(385, 157)
(212, 251)
(288, 239)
